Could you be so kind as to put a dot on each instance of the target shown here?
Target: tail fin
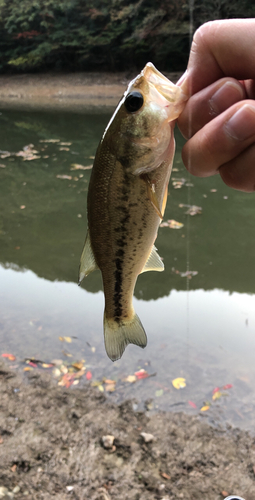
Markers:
(117, 335)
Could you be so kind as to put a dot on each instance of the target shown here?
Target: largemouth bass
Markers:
(127, 198)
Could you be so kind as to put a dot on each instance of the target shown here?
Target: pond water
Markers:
(201, 329)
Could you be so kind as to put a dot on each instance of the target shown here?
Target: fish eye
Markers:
(133, 102)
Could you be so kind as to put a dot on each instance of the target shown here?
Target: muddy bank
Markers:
(51, 447)
(74, 91)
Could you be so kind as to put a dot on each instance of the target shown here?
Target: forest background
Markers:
(111, 35)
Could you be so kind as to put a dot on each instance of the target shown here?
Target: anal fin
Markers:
(154, 262)
(87, 262)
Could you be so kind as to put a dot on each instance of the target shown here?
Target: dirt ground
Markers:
(75, 91)
(51, 446)
(51, 442)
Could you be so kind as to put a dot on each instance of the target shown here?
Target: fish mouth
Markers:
(173, 94)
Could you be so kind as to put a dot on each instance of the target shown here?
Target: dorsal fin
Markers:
(154, 262)
(87, 262)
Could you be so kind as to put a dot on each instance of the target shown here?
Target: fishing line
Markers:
(191, 31)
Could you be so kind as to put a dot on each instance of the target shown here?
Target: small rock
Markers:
(69, 488)
(108, 441)
(148, 438)
(3, 492)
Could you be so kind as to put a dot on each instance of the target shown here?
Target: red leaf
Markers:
(11, 357)
(193, 405)
(228, 386)
(141, 374)
(88, 375)
(32, 364)
(217, 389)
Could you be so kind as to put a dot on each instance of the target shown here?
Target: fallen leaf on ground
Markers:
(68, 177)
(141, 374)
(216, 389)
(131, 379)
(179, 383)
(78, 365)
(165, 476)
(193, 405)
(205, 408)
(11, 357)
(224, 493)
(27, 369)
(110, 387)
(159, 393)
(227, 386)
(109, 381)
(88, 375)
(65, 339)
(217, 395)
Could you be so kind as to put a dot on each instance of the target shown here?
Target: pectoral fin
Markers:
(152, 194)
(154, 262)
(87, 262)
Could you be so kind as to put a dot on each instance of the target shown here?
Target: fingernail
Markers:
(229, 93)
(241, 125)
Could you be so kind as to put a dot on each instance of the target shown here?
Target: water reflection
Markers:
(206, 335)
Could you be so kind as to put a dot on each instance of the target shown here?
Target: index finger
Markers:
(219, 49)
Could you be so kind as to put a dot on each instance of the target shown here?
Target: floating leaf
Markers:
(11, 357)
(173, 224)
(65, 143)
(68, 177)
(205, 408)
(49, 140)
(2, 165)
(76, 166)
(179, 383)
(192, 404)
(88, 375)
(141, 374)
(159, 393)
(213, 190)
(64, 149)
(22, 207)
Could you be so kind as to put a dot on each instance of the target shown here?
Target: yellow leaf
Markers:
(28, 368)
(68, 339)
(101, 388)
(205, 408)
(217, 395)
(131, 379)
(179, 383)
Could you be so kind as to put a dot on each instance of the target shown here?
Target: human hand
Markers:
(219, 118)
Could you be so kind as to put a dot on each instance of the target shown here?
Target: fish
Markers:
(127, 197)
